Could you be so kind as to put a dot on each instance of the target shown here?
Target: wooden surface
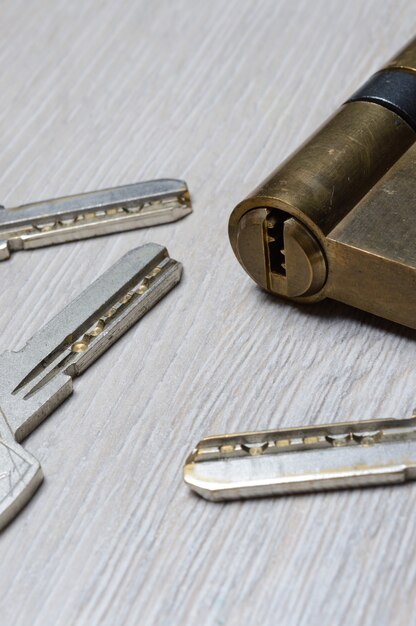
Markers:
(100, 93)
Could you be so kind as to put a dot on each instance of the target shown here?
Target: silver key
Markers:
(35, 380)
(315, 458)
(91, 214)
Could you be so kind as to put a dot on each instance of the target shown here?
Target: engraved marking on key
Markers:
(36, 379)
(90, 214)
(244, 465)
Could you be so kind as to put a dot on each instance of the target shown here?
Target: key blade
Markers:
(94, 213)
(38, 378)
(356, 454)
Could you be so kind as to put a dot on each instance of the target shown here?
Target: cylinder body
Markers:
(279, 232)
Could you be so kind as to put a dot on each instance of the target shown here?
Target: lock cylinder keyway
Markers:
(338, 218)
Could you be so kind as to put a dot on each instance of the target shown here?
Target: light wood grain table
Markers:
(98, 93)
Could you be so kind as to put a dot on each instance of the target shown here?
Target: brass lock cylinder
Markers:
(336, 219)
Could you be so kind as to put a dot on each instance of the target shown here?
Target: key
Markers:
(36, 379)
(292, 460)
(91, 214)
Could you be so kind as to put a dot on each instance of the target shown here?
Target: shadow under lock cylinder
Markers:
(338, 218)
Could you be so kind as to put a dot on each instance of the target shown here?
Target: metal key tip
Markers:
(94, 213)
(299, 460)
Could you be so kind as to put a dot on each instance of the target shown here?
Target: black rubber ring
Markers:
(395, 89)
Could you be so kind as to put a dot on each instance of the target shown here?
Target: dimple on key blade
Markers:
(36, 379)
(315, 458)
(91, 214)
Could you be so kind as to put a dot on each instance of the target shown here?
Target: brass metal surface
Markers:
(336, 219)
(406, 58)
(372, 251)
